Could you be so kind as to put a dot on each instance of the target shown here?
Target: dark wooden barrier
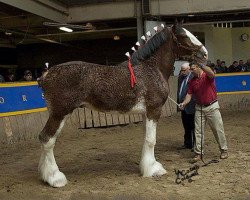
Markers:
(28, 126)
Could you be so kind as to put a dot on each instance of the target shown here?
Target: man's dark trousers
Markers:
(188, 124)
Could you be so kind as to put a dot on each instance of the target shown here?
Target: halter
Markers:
(195, 50)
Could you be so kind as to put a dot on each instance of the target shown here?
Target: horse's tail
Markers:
(41, 79)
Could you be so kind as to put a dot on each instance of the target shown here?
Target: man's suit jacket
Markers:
(190, 107)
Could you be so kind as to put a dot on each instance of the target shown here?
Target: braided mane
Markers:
(149, 47)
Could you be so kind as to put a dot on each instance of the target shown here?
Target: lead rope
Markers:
(183, 175)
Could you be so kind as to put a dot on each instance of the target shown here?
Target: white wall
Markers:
(208, 30)
(241, 49)
(224, 43)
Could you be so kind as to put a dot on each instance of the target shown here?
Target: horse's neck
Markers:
(165, 61)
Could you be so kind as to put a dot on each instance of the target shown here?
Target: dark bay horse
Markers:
(107, 88)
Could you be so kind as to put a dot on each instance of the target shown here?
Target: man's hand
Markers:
(187, 99)
(181, 106)
(207, 70)
(201, 65)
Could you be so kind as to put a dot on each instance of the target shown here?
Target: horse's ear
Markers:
(175, 22)
(174, 27)
(182, 22)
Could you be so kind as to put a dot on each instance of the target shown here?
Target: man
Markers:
(11, 77)
(187, 115)
(234, 67)
(1, 79)
(209, 63)
(247, 66)
(27, 76)
(202, 86)
(218, 67)
(241, 66)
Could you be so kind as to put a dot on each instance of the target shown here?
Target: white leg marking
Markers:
(47, 165)
(149, 166)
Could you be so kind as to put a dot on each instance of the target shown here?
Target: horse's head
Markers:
(188, 45)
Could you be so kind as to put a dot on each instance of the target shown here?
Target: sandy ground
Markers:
(104, 164)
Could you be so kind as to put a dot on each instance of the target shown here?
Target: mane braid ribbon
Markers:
(131, 71)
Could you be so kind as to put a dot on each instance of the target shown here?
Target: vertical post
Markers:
(8, 129)
(139, 19)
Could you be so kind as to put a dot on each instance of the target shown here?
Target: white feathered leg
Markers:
(149, 166)
(47, 166)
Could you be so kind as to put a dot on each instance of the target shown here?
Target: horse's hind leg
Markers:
(149, 166)
(47, 166)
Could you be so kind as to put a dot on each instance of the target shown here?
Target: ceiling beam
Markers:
(177, 7)
(102, 11)
(43, 8)
(90, 34)
(8, 66)
(25, 36)
(6, 44)
(127, 9)
(21, 22)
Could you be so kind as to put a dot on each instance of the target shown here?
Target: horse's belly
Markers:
(138, 107)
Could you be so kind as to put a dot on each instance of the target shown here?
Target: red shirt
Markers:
(203, 89)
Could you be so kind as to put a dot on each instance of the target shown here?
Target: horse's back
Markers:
(104, 87)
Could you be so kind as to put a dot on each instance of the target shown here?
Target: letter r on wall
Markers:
(24, 97)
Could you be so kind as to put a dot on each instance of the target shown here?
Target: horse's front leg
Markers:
(149, 166)
(48, 168)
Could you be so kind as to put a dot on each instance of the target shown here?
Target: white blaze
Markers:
(194, 40)
(192, 37)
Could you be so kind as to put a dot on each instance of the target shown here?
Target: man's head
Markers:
(241, 62)
(235, 63)
(11, 77)
(209, 63)
(27, 75)
(1, 79)
(218, 62)
(195, 69)
(185, 69)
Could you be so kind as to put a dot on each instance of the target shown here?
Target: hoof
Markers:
(58, 179)
(154, 170)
